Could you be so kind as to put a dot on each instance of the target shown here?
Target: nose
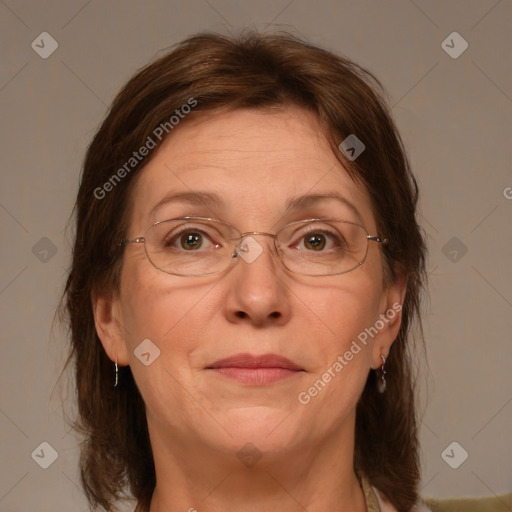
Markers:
(257, 292)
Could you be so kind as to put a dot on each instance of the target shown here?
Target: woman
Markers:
(246, 274)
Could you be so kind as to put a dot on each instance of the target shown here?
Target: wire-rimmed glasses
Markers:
(202, 246)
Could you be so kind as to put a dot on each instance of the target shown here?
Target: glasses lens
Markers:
(190, 247)
(322, 247)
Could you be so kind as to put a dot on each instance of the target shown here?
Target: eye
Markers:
(189, 239)
(319, 240)
(315, 241)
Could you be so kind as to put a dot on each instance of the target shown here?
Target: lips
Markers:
(255, 370)
(251, 362)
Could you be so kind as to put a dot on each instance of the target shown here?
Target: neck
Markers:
(198, 478)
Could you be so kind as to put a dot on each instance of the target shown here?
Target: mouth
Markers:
(256, 370)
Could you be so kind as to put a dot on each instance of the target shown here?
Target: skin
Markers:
(198, 420)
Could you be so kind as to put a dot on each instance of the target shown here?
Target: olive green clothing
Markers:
(376, 502)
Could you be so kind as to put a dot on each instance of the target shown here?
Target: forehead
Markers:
(254, 164)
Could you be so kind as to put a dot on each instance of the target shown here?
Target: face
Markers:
(255, 162)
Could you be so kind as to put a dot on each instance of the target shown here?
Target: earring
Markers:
(116, 381)
(381, 383)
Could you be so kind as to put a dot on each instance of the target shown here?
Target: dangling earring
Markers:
(116, 381)
(381, 383)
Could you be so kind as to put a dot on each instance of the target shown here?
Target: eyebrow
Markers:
(198, 198)
(211, 200)
(308, 200)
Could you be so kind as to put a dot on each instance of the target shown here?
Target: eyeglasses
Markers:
(200, 246)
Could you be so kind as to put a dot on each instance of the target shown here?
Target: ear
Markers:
(391, 318)
(108, 322)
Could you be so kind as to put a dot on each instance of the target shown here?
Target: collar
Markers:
(370, 497)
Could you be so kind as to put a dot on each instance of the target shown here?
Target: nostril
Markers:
(275, 314)
(241, 314)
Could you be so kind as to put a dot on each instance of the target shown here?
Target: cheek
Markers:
(347, 308)
(343, 355)
(343, 350)
(168, 310)
(172, 315)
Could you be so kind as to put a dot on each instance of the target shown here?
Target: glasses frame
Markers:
(142, 240)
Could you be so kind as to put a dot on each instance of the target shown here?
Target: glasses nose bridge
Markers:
(247, 233)
(250, 233)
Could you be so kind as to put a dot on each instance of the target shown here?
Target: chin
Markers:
(267, 428)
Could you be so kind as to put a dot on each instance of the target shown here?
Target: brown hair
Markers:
(248, 71)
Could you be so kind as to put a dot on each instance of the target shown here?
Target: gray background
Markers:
(455, 116)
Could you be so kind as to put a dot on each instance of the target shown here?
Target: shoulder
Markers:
(386, 506)
(501, 503)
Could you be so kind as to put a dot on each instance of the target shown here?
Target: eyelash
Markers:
(338, 239)
(176, 236)
(171, 240)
